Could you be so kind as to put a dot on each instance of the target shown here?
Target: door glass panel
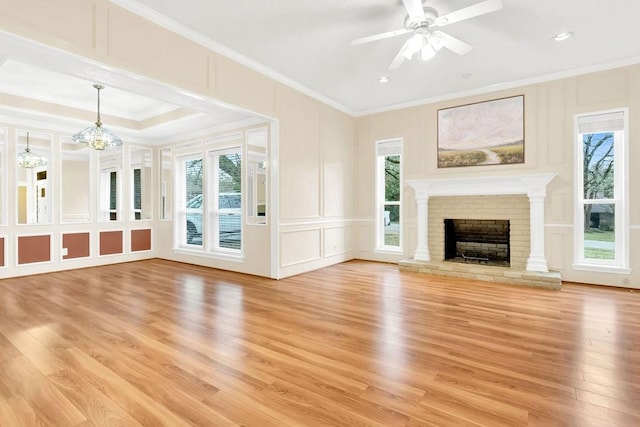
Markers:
(194, 201)
(110, 165)
(230, 200)
(141, 177)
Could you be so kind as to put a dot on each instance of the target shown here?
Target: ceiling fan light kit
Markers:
(425, 40)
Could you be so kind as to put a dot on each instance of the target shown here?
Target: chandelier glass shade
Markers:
(98, 137)
(28, 159)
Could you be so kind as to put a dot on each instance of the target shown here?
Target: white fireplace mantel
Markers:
(534, 186)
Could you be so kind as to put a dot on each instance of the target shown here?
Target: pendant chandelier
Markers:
(98, 137)
(28, 159)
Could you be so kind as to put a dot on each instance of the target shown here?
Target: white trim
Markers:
(534, 186)
(186, 32)
(620, 198)
(634, 227)
(601, 268)
(385, 148)
(482, 185)
(168, 23)
(211, 255)
(503, 86)
(273, 197)
(230, 137)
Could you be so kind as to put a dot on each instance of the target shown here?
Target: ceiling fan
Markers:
(425, 41)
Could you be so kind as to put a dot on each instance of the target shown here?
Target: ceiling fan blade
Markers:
(472, 11)
(379, 37)
(399, 59)
(455, 45)
(414, 9)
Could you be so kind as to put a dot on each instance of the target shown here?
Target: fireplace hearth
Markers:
(477, 241)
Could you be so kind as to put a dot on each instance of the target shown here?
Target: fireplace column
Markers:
(536, 260)
(422, 250)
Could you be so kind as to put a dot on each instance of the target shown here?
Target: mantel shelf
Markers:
(482, 185)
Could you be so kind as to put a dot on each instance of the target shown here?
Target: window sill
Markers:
(602, 268)
(214, 255)
(390, 251)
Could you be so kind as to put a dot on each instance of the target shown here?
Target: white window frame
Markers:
(180, 202)
(105, 194)
(135, 210)
(384, 148)
(213, 211)
(615, 121)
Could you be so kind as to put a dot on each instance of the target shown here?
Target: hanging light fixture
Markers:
(98, 137)
(28, 159)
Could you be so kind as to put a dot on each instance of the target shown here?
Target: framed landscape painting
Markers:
(484, 133)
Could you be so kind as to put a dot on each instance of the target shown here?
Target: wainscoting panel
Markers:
(300, 246)
(559, 247)
(338, 241)
(110, 242)
(141, 240)
(33, 249)
(77, 245)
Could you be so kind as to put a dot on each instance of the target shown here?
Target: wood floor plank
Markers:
(168, 344)
(16, 412)
(42, 397)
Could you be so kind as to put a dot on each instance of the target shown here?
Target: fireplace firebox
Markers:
(477, 241)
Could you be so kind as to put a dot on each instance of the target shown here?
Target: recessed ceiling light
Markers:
(383, 79)
(560, 37)
(465, 75)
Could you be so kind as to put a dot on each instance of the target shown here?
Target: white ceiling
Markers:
(307, 42)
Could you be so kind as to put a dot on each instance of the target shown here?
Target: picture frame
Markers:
(482, 133)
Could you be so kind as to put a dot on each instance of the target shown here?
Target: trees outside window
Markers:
(601, 181)
(389, 194)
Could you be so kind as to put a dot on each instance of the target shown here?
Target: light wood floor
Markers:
(162, 343)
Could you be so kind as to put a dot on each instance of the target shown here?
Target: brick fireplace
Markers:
(516, 199)
(477, 241)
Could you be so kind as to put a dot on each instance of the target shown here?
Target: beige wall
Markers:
(549, 147)
(75, 188)
(314, 154)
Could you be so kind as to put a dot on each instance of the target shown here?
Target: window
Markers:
(601, 228)
(190, 219)
(109, 182)
(110, 189)
(209, 199)
(389, 195)
(226, 191)
(137, 194)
